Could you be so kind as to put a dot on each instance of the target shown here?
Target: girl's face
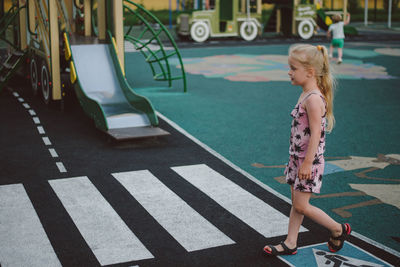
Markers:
(297, 73)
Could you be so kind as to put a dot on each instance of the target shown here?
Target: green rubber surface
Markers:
(239, 101)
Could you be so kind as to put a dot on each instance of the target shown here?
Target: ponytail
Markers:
(326, 84)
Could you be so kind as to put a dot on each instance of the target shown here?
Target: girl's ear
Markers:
(310, 73)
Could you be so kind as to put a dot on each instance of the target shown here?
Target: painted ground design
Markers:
(239, 102)
(264, 68)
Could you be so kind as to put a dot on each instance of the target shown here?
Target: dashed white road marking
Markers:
(41, 130)
(36, 120)
(61, 167)
(104, 231)
(46, 141)
(23, 240)
(53, 153)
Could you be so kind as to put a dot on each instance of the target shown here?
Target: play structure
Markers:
(224, 18)
(80, 45)
(302, 18)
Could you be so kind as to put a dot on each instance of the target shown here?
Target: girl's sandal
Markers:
(275, 252)
(346, 230)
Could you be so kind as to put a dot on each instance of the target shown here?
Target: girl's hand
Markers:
(305, 171)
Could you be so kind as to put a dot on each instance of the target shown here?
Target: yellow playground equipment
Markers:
(80, 45)
(227, 18)
(302, 17)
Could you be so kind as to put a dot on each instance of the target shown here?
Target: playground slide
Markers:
(106, 97)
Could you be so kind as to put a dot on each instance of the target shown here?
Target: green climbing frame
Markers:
(149, 36)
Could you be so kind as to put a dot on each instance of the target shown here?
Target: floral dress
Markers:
(299, 139)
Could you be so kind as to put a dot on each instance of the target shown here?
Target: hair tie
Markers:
(319, 48)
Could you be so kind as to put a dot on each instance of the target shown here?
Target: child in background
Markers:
(312, 116)
(336, 28)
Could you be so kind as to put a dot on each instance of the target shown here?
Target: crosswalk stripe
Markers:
(23, 241)
(107, 235)
(186, 225)
(256, 213)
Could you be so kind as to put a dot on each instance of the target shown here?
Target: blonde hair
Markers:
(316, 57)
(336, 18)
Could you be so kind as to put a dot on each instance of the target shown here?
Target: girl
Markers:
(337, 30)
(312, 116)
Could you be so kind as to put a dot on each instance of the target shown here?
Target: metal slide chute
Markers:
(105, 95)
(149, 36)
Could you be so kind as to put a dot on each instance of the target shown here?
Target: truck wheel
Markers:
(33, 72)
(248, 30)
(45, 82)
(199, 31)
(305, 29)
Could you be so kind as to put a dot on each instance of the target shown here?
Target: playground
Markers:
(168, 153)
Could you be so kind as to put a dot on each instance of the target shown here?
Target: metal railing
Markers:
(150, 41)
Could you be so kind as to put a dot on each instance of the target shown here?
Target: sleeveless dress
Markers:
(299, 139)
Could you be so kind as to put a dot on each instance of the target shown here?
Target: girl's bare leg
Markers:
(340, 53)
(302, 206)
(295, 221)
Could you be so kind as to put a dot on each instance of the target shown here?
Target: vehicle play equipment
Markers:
(302, 17)
(81, 43)
(227, 18)
(222, 18)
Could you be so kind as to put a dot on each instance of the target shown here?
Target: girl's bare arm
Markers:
(314, 107)
(347, 21)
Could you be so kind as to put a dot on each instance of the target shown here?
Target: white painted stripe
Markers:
(26, 105)
(36, 120)
(53, 152)
(46, 141)
(61, 167)
(23, 240)
(186, 225)
(222, 158)
(107, 235)
(253, 211)
(20, 99)
(41, 130)
(255, 180)
(377, 244)
(15, 94)
(32, 112)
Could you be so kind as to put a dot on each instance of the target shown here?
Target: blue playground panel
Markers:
(318, 255)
